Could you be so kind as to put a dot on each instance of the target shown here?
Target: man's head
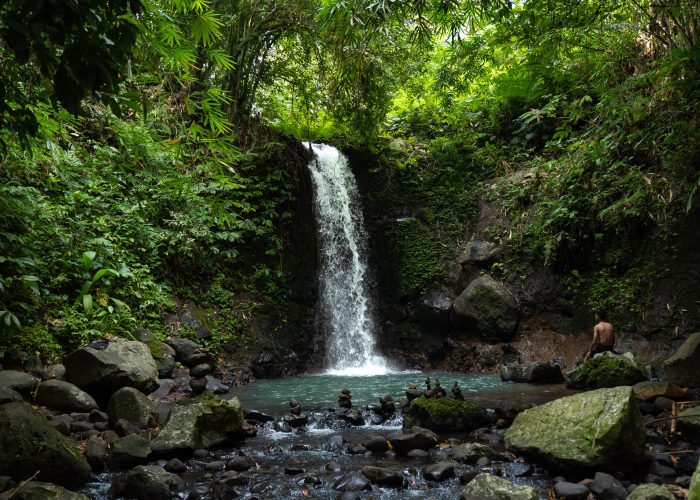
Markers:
(600, 315)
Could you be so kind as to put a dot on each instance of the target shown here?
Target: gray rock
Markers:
(592, 429)
(469, 453)
(101, 368)
(606, 486)
(216, 386)
(682, 367)
(28, 443)
(239, 464)
(353, 481)
(129, 451)
(356, 449)
(81, 426)
(651, 492)
(383, 476)
(38, 490)
(131, 405)
(165, 365)
(202, 422)
(571, 491)
(536, 371)
(489, 487)
(335, 442)
(57, 371)
(62, 423)
(64, 396)
(95, 453)
(376, 444)
(9, 395)
(176, 466)
(21, 382)
(418, 454)
(165, 387)
(653, 389)
(190, 353)
(406, 442)
(200, 370)
(146, 482)
(97, 416)
(490, 305)
(439, 471)
(479, 251)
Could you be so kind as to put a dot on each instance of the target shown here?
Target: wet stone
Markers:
(468, 475)
(239, 464)
(383, 476)
(516, 469)
(175, 466)
(418, 454)
(353, 481)
(571, 491)
(439, 471)
(606, 486)
(356, 449)
(294, 466)
(214, 466)
(333, 467)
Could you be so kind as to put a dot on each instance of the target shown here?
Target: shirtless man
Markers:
(603, 336)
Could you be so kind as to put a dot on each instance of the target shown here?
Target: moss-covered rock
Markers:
(38, 490)
(29, 443)
(607, 370)
(202, 422)
(131, 405)
(444, 414)
(468, 453)
(489, 487)
(651, 491)
(490, 305)
(682, 367)
(694, 490)
(593, 429)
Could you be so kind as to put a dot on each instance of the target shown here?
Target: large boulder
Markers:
(8, 395)
(593, 429)
(607, 370)
(489, 487)
(21, 382)
(682, 367)
(479, 251)
(103, 367)
(29, 443)
(536, 371)
(651, 491)
(444, 414)
(490, 305)
(39, 490)
(202, 422)
(64, 396)
(131, 405)
(146, 482)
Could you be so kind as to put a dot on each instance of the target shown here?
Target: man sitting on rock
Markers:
(603, 336)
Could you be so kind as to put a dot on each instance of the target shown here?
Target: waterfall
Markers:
(344, 302)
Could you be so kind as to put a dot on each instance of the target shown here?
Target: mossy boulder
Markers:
(492, 308)
(593, 429)
(202, 422)
(489, 487)
(38, 490)
(607, 370)
(131, 405)
(29, 443)
(469, 453)
(651, 491)
(444, 414)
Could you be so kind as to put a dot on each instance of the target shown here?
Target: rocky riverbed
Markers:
(120, 419)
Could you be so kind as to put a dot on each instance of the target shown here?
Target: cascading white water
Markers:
(344, 305)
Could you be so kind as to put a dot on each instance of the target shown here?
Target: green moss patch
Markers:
(444, 414)
(607, 370)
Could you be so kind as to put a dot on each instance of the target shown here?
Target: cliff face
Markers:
(444, 302)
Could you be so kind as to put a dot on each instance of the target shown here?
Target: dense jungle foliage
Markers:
(144, 161)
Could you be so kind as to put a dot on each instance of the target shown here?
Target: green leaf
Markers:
(104, 272)
(87, 303)
(88, 257)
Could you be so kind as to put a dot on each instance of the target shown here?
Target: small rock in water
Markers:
(376, 444)
(383, 476)
(335, 442)
(356, 449)
(214, 466)
(418, 454)
(239, 464)
(200, 453)
(483, 462)
(333, 467)
(348, 495)
(353, 481)
(516, 469)
(439, 471)
(175, 466)
(468, 475)
(294, 466)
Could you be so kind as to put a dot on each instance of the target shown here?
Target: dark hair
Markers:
(601, 314)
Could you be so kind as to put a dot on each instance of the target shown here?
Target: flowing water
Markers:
(344, 311)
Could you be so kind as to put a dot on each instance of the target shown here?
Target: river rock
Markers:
(165, 365)
(216, 386)
(376, 444)
(9, 395)
(258, 416)
(593, 429)
(239, 464)
(95, 453)
(651, 492)
(129, 451)
(202, 422)
(571, 491)
(39, 490)
(606, 486)
(383, 476)
(439, 471)
(478, 251)
(607, 370)
(489, 487)
(131, 405)
(29, 443)
(682, 367)
(353, 481)
(190, 353)
(468, 453)
(57, 371)
(403, 443)
(689, 424)
(536, 371)
(490, 305)
(444, 414)
(650, 390)
(64, 396)
(101, 368)
(146, 482)
(21, 382)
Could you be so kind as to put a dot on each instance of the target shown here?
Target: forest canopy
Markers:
(168, 115)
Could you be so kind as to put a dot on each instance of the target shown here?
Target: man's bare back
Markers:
(603, 336)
